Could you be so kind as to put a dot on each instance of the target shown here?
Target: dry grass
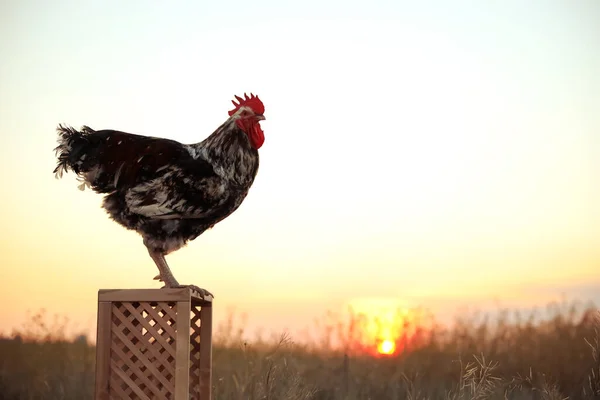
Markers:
(509, 358)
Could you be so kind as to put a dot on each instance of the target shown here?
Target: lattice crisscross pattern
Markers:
(195, 352)
(143, 350)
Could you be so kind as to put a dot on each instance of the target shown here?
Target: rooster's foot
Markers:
(176, 285)
(203, 292)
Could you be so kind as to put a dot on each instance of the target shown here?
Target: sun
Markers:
(386, 347)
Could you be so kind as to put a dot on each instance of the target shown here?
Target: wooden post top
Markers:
(130, 295)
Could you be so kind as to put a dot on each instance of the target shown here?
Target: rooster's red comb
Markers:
(253, 102)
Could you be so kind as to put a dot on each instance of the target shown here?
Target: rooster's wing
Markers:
(189, 189)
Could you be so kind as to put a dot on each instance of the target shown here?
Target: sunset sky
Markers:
(417, 153)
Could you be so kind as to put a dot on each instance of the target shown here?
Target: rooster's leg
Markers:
(165, 275)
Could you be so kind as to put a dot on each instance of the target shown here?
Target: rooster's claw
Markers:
(203, 292)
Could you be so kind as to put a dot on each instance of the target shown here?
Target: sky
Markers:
(437, 154)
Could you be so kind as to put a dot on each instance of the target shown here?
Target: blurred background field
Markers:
(551, 353)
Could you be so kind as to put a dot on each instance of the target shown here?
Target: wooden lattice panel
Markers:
(195, 367)
(153, 344)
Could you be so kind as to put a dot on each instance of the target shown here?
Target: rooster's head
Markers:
(248, 112)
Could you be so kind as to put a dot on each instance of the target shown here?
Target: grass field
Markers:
(510, 357)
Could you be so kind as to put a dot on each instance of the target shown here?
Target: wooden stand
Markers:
(154, 344)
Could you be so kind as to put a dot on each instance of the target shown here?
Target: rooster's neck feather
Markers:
(229, 150)
(225, 137)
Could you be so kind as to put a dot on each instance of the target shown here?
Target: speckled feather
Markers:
(167, 191)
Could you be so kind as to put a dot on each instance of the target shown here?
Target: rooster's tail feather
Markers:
(71, 149)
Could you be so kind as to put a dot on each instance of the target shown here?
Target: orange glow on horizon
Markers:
(384, 327)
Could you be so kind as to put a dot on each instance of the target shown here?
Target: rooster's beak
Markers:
(260, 117)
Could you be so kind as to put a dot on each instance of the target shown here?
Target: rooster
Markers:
(169, 192)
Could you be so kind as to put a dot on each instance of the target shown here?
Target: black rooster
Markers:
(167, 191)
